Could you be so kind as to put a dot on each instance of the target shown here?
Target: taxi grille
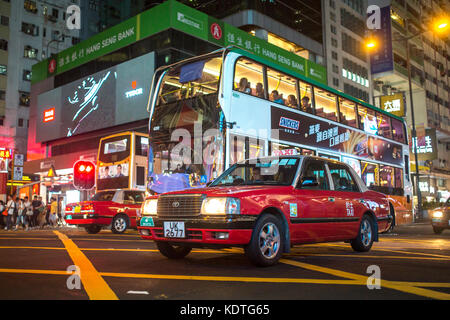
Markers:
(180, 205)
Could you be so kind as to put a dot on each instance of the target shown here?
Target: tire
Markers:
(392, 225)
(119, 224)
(267, 242)
(363, 242)
(437, 230)
(93, 229)
(172, 252)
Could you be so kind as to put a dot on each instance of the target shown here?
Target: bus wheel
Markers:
(437, 230)
(363, 242)
(266, 245)
(119, 224)
(172, 252)
(93, 229)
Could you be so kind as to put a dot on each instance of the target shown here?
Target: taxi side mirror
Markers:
(307, 182)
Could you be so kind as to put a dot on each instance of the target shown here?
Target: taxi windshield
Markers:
(103, 196)
(279, 172)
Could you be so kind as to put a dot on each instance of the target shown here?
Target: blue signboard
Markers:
(382, 59)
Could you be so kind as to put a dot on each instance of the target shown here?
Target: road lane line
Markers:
(37, 248)
(384, 283)
(363, 256)
(95, 286)
(33, 271)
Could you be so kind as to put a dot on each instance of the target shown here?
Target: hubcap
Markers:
(366, 232)
(269, 240)
(120, 224)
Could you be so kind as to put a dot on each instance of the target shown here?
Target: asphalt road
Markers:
(413, 263)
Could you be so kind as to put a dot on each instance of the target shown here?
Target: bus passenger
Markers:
(276, 97)
(243, 84)
(259, 90)
(306, 106)
(292, 101)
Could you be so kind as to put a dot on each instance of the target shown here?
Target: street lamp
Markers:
(440, 26)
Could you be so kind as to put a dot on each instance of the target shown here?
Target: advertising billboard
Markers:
(107, 98)
(382, 59)
(309, 131)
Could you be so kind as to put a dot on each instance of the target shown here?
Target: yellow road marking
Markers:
(364, 256)
(95, 286)
(384, 283)
(37, 248)
(32, 271)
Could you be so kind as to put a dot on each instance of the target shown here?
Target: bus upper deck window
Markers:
(248, 78)
(384, 125)
(306, 101)
(367, 120)
(348, 112)
(325, 104)
(397, 130)
(282, 88)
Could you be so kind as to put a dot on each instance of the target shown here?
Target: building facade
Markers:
(30, 31)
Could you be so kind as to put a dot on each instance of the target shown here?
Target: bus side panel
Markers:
(403, 210)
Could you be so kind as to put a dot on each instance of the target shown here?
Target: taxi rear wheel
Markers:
(119, 224)
(93, 229)
(266, 245)
(172, 252)
(363, 242)
(437, 230)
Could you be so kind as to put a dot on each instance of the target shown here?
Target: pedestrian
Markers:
(20, 214)
(36, 204)
(16, 210)
(10, 207)
(3, 214)
(53, 212)
(28, 213)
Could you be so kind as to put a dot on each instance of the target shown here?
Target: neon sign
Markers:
(49, 115)
(134, 92)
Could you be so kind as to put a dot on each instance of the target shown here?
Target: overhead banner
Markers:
(394, 104)
(309, 131)
(382, 59)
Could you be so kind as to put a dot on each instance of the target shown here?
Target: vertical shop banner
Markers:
(426, 144)
(382, 59)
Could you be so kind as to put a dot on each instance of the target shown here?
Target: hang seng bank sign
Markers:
(310, 131)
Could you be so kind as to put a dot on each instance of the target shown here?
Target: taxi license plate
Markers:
(174, 229)
(68, 217)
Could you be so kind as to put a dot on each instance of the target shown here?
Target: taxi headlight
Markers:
(438, 214)
(224, 205)
(150, 207)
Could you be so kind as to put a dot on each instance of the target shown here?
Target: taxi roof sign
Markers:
(51, 172)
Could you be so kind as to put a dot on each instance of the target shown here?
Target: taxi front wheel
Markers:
(266, 245)
(363, 242)
(437, 230)
(119, 224)
(171, 251)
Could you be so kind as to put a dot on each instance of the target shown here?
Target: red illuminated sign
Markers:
(216, 31)
(49, 115)
(5, 154)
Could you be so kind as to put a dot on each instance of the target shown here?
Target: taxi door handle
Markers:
(331, 199)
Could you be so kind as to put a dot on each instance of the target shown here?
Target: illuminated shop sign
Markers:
(393, 104)
(49, 115)
(426, 145)
(135, 92)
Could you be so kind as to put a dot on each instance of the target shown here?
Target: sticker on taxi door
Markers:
(293, 210)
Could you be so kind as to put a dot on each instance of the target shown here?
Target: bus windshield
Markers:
(186, 124)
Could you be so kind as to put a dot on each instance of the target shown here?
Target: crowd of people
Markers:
(275, 96)
(30, 214)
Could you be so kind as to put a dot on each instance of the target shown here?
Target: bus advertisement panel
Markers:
(307, 130)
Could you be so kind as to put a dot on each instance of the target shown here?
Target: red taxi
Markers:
(115, 208)
(266, 206)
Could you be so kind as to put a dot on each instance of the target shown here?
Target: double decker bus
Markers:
(122, 161)
(211, 111)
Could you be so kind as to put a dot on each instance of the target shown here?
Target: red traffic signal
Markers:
(84, 175)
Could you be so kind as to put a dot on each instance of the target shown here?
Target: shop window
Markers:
(282, 88)
(384, 125)
(367, 120)
(347, 110)
(248, 78)
(398, 132)
(306, 100)
(325, 104)
(370, 174)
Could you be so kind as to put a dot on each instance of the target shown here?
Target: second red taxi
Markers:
(115, 208)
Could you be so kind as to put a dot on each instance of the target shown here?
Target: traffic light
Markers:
(83, 175)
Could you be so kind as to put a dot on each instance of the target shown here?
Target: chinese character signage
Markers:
(382, 59)
(306, 130)
(394, 104)
(426, 145)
